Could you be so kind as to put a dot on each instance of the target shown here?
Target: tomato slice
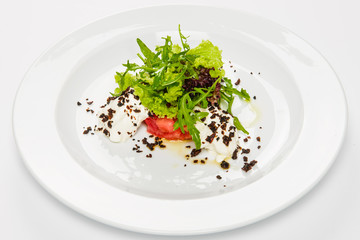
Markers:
(164, 128)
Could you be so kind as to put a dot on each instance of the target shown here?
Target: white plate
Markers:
(300, 105)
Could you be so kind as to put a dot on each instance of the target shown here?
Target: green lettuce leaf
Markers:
(208, 56)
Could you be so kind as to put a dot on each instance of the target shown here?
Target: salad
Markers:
(177, 92)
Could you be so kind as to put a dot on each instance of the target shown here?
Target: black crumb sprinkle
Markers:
(224, 165)
(259, 147)
(218, 177)
(245, 150)
(258, 139)
(79, 103)
(195, 152)
(237, 82)
(235, 153)
(254, 97)
(87, 130)
(149, 155)
(248, 166)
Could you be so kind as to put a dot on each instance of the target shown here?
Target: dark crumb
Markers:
(89, 103)
(235, 153)
(202, 161)
(251, 73)
(231, 66)
(234, 70)
(258, 73)
(87, 99)
(245, 158)
(260, 127)
(245, 139)
(258, 139)
(224, 165)
(149, 155)
(151, 136)
(254, 97)
(245, 151)
(151, 146)
(224, 185)
(259, 147)
(184, 165)
(139, 151)
(237, 82)
(195, 161)
(188, 146)
(92, 133)
(79, 103)
(248, 166)
(106, 132)
(218, 177)
(210, 138)
(195, 152)
(187, 155)
(88, 129)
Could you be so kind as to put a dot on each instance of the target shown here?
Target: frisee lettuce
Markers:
(159, 82)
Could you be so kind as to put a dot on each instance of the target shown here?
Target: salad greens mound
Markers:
(174, 79)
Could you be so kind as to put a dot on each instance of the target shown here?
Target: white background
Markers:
(330, 211)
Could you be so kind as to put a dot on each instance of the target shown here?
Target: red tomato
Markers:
(164, 128)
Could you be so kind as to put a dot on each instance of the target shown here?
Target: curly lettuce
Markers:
(208, 56)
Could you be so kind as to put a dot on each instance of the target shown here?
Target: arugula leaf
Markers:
(242, 94)
(150, 56)
(239, 126)
(186, 115)
(184, 40)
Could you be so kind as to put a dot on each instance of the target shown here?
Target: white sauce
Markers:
(219, 144)
(121, 117)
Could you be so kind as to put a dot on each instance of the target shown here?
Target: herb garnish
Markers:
(159, 82)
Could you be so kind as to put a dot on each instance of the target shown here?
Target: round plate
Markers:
(300, 114)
